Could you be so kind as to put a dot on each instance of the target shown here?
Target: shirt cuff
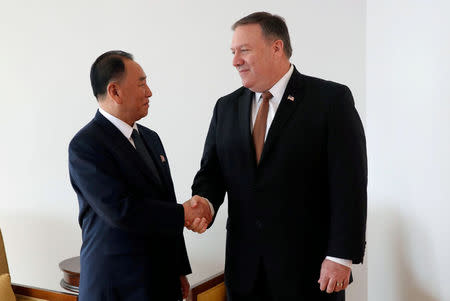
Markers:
(346, 262)
(210, 206)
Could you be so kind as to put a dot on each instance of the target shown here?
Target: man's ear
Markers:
(278, 47)
(113, 90)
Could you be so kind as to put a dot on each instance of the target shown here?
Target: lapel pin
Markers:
(162, 158)
(291, 98)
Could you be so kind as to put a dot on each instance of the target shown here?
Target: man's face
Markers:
(134, 92)
(253, 57)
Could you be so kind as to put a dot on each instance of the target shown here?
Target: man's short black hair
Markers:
(272, 26)
(107, 67)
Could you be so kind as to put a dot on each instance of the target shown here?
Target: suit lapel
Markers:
(119, 141)
(156, 152)
(293, 95)
(245, 105)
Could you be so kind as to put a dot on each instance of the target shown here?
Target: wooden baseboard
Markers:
(207, 284)
(43, 293)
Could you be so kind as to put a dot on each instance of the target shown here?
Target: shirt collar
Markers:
(278, 89)
(122, 126)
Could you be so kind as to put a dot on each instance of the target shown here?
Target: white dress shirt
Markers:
(122, 126)
(277, 92)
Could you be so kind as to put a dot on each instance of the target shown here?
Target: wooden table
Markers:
(71, 270)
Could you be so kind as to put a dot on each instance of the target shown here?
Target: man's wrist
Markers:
(210, 206)
(346, 262)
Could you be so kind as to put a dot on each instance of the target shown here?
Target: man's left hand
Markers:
(334, 277)
(184, 286)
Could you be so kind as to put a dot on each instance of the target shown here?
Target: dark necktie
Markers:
(143, 153)
(259, 129)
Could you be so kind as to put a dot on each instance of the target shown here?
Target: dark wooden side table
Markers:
(71, 270)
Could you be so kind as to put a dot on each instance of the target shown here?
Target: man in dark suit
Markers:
(289, 150)
(132, 227)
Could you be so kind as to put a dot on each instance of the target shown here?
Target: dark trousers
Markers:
(261, 292)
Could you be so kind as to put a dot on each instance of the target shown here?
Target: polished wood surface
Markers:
(71, 270)
(49, 295)
(206, 285)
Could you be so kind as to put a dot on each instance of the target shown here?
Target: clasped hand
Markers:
(197, 214)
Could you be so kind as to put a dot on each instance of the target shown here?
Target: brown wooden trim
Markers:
(43, 293)
(205, 285)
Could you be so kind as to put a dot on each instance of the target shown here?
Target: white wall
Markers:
(408, 130)
(47, 49)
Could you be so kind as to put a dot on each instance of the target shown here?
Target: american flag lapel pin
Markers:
(162, 158)
(291, 98)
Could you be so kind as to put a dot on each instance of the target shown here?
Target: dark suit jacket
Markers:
(306, 199)
(132, 227)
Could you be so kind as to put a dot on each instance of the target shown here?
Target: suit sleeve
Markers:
(97, 180)
(347, 177)
(209, 182)
(184, 267)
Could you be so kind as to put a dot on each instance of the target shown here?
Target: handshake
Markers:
(197, 214)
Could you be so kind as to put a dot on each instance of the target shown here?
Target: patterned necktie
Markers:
(143, 153)
(259, 129)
